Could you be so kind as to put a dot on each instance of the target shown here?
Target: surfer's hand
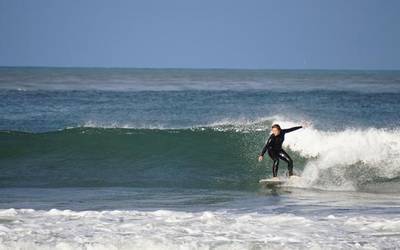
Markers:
(306, 124)
(260, 158)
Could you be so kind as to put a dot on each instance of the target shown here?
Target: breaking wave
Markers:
(218, 155)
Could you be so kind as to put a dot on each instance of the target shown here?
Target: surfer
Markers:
(275, 150)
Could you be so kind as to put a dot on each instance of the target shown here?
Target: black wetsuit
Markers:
(275, 151)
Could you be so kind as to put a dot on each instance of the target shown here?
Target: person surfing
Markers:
(275, 151)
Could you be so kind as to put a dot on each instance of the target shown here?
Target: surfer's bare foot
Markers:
(275, 178)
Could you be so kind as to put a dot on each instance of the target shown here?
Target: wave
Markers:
(218, 155)
(190, 158)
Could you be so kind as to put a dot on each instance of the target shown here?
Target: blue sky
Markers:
(317, 34)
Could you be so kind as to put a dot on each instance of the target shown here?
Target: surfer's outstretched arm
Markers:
(291, 129)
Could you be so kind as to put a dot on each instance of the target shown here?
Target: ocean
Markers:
(108, 158)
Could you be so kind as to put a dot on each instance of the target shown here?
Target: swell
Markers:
(193, 158)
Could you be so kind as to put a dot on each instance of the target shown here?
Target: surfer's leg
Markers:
(275, 166)
(286, 158)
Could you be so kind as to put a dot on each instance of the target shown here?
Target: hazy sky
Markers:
(344, 34)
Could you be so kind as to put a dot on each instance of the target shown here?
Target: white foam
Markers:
(163, 229)
(344, 159)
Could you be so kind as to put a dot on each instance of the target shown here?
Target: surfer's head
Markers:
(276, 129)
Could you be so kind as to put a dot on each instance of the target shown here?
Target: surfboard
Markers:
(276, 182)
(272, 182)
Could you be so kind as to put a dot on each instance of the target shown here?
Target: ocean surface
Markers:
(167, 159)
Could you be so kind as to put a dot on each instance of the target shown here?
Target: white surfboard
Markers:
(272, 182)
(276, 182)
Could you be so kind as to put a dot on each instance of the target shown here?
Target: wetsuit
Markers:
(275, 151)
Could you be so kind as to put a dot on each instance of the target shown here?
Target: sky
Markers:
(259, 34)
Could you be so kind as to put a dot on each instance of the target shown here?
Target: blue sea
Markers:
(118, 158)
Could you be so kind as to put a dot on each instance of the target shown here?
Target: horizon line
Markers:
(200, 68)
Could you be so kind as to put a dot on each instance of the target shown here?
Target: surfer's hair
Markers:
(276, 126)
